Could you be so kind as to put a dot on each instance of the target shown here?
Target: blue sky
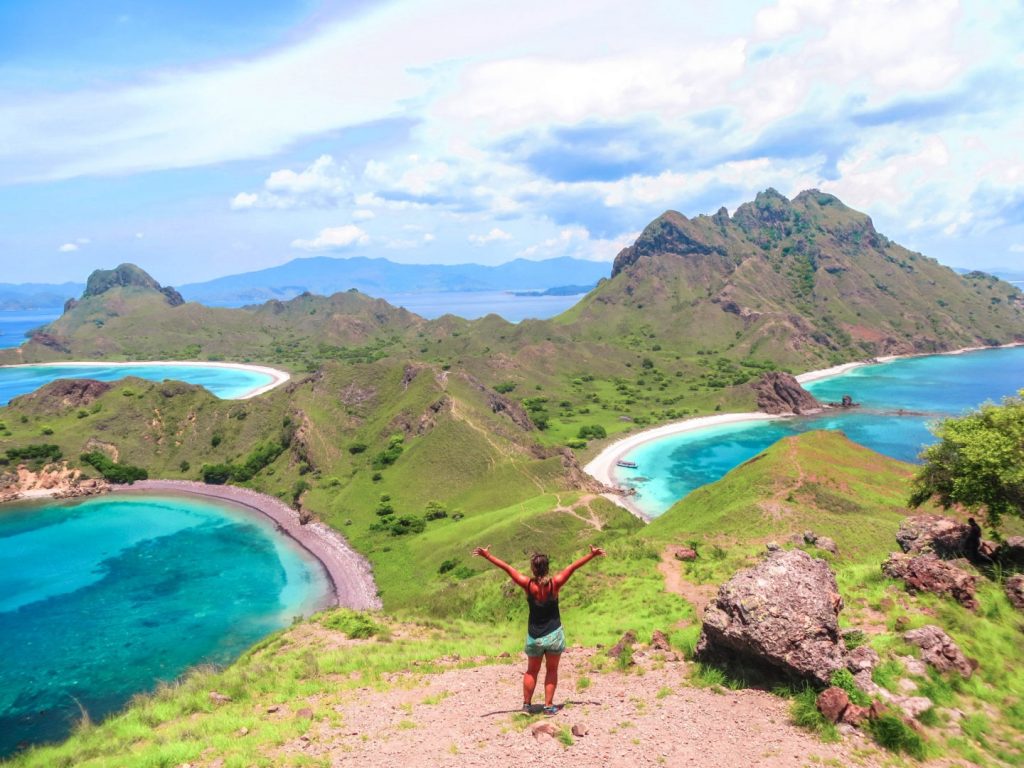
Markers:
(199, 138)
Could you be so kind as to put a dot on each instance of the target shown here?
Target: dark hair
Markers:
(539, 566)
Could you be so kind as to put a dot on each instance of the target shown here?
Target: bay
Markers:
(105, 598)
(899, 401)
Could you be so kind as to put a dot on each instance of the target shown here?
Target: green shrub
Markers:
(113, 472)
(357, 626)
(504, 387)
(355, 448)
(389, 455)
(43, 452)
(843, 678)
(447, 565)
(895, 735)
(592, 431)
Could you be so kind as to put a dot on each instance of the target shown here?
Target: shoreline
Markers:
(602, 466)
(349, 573)
(277, 376)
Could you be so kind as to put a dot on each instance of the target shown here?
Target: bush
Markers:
(389, 455)
(184, 466)
(43, 452)
(447, 565)
(114, 472)
(434, 511)
(215, 440)
(357, 626)
(504, 387)
(593, 431)
(216, 474)
(408, 524)
(355, 448)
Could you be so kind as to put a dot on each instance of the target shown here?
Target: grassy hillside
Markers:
(468, 615)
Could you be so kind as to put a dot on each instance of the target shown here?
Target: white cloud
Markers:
(334, 239)
(577, 243)
(363, 214)
(495, 235)
(68, 248)
(321, 185)
(1017, 248)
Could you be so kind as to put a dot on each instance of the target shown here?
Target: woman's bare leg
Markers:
(530, 678)
(550, 677)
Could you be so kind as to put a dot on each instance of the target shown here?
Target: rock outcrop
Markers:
(128, 275)
(1010, 554)
(939, 650)
(1014, 587)
(782, 614)
(780, 393)
(942, 536)
(64, 394)
(927, 573)
(54, 481)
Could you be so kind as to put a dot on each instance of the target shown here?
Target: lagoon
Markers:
(899, 400)
(224, 380)
(104, 598)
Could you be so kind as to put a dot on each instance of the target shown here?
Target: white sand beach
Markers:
(602, 467)
(278, 377)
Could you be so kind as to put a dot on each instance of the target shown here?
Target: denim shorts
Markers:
(553, 642)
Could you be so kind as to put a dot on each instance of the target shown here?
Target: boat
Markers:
(626, 464)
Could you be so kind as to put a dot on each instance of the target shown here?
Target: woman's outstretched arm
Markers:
(513, 574)
(564, 575)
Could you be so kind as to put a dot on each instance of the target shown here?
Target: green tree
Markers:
(978, 461)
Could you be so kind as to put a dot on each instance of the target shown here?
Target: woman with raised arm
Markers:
(544, 638)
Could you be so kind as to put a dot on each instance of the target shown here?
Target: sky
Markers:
(199, 138)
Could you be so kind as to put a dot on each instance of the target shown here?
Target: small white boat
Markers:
(626, 464)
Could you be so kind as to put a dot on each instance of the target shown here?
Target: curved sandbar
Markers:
(277, 377)
(602, 467)
(349, 572)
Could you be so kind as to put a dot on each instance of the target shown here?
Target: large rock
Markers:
(939, 650)
(782, 614)
(926, 573)
(942, 536)
(1010, 554)
(779, 392)
(1014, 587)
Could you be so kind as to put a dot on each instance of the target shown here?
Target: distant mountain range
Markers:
(382, 278)
(324, 276)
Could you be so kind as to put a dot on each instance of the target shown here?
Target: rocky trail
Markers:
(651, 715)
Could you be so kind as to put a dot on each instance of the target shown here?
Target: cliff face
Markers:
(781, 393)
(128, 275)
(54, 480)
(807, 280)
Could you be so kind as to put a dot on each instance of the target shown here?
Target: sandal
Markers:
(551, 710)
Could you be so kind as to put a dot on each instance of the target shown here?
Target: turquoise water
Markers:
(226, 383)
(103, 598)
(898, 402)
(14, 324)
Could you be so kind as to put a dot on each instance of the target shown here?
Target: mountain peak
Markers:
(124, 276)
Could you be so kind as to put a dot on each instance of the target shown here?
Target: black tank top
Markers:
(544, 616)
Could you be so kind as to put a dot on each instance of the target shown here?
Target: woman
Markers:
(545, 638)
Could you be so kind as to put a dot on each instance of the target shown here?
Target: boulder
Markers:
(779, 392)
(862, 658)
(1014, 587)
(659, 642)
(855, 715)
(942, 536)
(939, 650)
(927, 573)
(684, 553)
(782, 615)
(1010, 554)
(832, 702)
(624, 646)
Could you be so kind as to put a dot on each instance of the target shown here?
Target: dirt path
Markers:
(470, 717)
(583, 501)
(698, 595)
